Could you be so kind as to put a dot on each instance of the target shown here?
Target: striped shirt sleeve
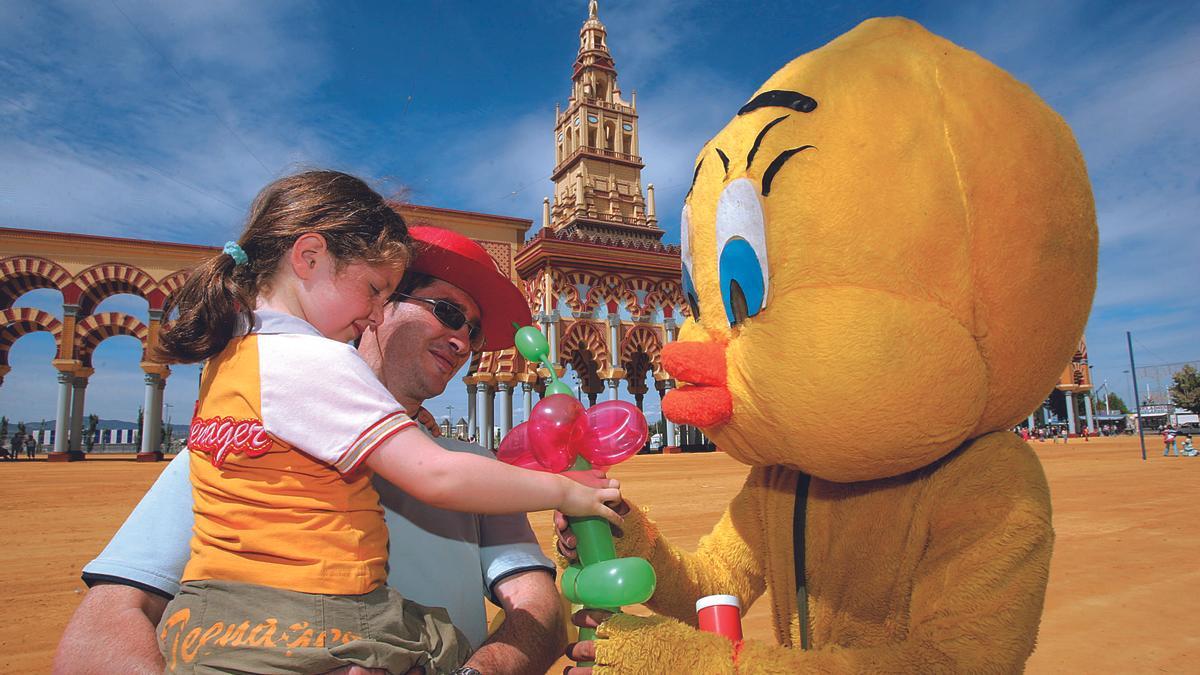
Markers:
(321, 398)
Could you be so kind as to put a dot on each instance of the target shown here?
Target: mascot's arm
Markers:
(729, 560)
(978, 591)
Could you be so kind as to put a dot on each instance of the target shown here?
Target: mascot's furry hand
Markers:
(651, 645)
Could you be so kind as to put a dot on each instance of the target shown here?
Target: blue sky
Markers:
(161, 120)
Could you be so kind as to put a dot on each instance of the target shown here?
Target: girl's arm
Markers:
(459, 481)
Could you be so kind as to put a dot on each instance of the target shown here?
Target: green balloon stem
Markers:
(586, 634)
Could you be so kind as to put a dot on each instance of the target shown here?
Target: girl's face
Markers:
(343, 303)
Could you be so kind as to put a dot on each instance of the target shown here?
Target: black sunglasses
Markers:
(452, 317)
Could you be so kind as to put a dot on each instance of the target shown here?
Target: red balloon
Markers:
(616, 430)
(555, 425)
(515, 449)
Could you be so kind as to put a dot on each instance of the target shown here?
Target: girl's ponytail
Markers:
(209, 304)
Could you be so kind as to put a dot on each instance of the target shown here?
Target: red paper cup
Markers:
(721, 614)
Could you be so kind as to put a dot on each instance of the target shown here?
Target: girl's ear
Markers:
(309, 252)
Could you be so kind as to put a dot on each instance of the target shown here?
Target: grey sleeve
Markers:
(507, 546)
(153, 546)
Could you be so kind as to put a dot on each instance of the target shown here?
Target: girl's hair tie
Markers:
(239, 256)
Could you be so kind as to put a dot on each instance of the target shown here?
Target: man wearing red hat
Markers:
(453, 301)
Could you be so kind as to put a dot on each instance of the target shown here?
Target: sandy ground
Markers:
(1124, 592)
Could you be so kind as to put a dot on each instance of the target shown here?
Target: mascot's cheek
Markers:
(852, 384)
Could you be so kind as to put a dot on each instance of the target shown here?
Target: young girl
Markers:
(289, 547)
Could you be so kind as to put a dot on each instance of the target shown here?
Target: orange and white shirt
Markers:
(284, 421)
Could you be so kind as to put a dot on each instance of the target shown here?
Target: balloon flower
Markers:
(561, 435)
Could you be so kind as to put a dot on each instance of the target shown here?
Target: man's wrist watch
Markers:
(466, 670)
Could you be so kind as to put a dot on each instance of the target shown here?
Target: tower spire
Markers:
(597, 173)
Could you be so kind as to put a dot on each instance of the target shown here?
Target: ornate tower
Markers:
(597, 170)
(599, 280)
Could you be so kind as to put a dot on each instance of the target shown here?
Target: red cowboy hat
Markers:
(455, 259)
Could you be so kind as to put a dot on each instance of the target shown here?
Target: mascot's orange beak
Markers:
(702, 398)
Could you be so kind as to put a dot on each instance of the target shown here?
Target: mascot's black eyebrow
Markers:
(694, 175)
(776, 98)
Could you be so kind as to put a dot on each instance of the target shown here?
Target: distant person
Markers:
(1188, 449)
(18, 442)
(31, 447)
(1168, 436)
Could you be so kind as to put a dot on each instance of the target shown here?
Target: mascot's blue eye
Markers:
(742, 288)
(741, 251)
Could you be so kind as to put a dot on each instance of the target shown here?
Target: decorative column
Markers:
(480, 411)
(670, 329)
(471, 426)
(527, 390)
(506, 399)
(63, 418)
(152, 416)
(79, 392)
(1070, 412)
(614, 326)
(552, 319)
(671, 427)
(489, 416)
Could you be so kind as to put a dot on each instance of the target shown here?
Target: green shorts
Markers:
(231, 627)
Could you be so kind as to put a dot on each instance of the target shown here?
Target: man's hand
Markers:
(566, 540)
(585, 650)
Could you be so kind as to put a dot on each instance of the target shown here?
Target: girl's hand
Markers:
(592, 478)
(581, 500)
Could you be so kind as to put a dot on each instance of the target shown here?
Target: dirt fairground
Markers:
(1124, 582)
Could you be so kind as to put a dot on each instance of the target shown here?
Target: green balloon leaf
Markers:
(559, 387)
(532, 344)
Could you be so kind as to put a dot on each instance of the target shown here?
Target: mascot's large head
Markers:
(890, 250)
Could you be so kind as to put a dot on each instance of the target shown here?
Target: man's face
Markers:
(413, 353)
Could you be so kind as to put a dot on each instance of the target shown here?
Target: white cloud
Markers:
(183, 114)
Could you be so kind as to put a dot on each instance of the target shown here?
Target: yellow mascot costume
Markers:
(890, 255)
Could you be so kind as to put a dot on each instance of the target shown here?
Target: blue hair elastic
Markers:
(239, 256)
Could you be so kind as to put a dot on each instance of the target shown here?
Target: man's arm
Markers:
(532, 635)
(112, 631)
